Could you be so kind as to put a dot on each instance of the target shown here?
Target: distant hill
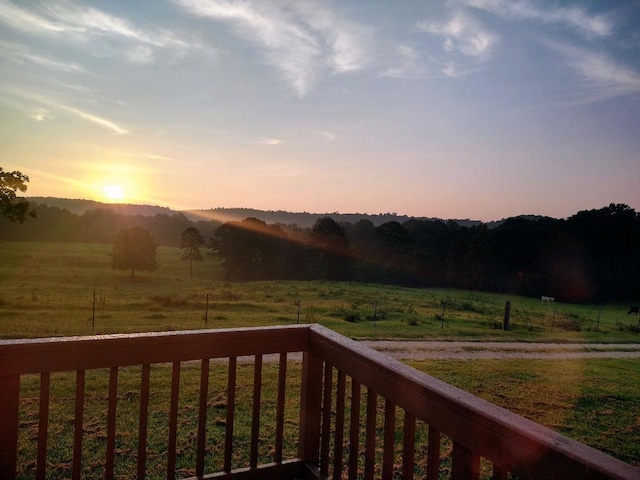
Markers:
(300, 219)
(80, 206)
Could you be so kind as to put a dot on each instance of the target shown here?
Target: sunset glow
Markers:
(113, 192)
(451, 109)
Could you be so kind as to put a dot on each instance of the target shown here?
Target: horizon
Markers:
(455, 109)
(372, 214)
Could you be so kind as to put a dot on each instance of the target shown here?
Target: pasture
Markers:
(47, 289)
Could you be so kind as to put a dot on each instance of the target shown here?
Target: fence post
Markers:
(310, 408)
(507, 314)
(9, 411)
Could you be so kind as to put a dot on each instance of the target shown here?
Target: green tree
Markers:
(330, 255)
(190, 244)
(134, 249)
(12, 207)
(251, 249)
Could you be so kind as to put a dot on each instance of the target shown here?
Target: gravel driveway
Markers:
(426, 350)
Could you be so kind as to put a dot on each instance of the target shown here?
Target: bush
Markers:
(353, 316)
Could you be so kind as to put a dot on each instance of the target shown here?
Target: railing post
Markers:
(9, 412)
(310, 408)
(465, 463)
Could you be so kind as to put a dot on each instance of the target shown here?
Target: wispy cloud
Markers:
(328, 136)
(601, 76)
(299, 38)
(270, 141)
(41, 113)
(574, 17)
(24, 20)
(409, 65)
(462, 34)
(20, 53)
(84, 24)
(95, 119)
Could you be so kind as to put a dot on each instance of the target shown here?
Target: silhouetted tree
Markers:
(190, 245)
(134, 249)
(12, 207)
(330, 256)
(249, 248)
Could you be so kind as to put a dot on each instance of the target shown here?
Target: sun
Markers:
(113, 192)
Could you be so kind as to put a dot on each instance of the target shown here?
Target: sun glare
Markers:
(113, 192)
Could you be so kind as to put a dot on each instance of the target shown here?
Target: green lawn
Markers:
(48, 289)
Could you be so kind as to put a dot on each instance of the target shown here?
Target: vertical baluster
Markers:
(433, 454)
(326, 420)
(231, 405)
(408, 446)
(370, 439)
(465, 463)
(111, 423)
(389, 440)
(255, 417)
(43, 426)
(143, 422)
(79, 421)
(9, 415)
(173, 421)
(202, 417)
(282, 384)
(339, 436)
(310, 408)
(354, 429)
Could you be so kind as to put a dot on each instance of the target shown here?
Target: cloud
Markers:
(573, 17)
(95, 119)
(40, 113)
(328, 136)
(601, 76)
(20, 53)
(410, 66)
(299, 38)
(270, 141)
(462, 34)
(21, 19)
(85, 24)
(141, 54)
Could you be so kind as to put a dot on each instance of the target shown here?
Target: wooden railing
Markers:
(360, 414)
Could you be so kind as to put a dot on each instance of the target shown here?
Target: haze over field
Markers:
(480, 109)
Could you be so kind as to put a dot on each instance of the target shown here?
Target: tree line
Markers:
(593, 255)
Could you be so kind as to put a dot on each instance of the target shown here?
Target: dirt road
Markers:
(425, 350)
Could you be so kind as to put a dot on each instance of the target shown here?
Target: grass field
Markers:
(48, 289)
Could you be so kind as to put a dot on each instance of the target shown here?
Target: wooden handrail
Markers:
(476, 428)
(475, 425)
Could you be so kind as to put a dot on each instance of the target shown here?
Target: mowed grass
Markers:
(595, 402)
(47, 289)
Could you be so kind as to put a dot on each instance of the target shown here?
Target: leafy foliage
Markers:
(593, 256)
(12, 207)
(190, 245)
(134, 249)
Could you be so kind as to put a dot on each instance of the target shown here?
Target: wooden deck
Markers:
(349, 403)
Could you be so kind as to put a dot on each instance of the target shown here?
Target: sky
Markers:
(465, 109)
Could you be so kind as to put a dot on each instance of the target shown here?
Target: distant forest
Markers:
(592, 256)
